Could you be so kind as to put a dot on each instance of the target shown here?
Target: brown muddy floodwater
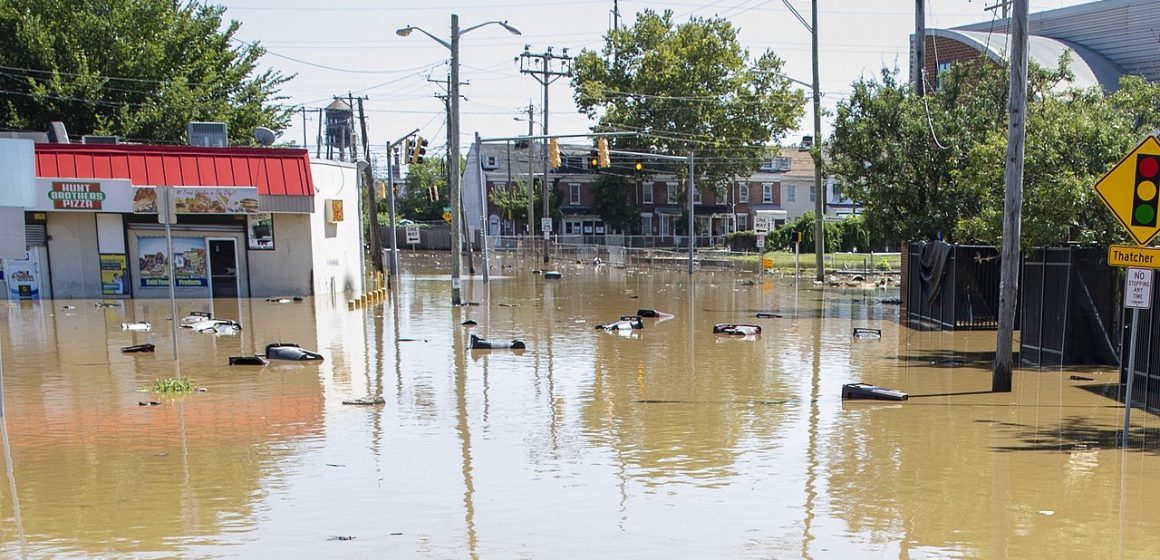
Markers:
(669, 443)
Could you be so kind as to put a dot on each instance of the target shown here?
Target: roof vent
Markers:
(807, 143)
(57, 133)
(207, 134)
(91, 139)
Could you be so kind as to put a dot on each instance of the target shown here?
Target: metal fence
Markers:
(1146, 386)
(1069, 305)
(951, 287)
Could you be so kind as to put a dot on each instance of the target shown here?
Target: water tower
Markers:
(339, 130)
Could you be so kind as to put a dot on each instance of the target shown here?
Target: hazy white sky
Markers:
(356, 39)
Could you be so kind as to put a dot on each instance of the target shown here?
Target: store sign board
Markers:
(83, 195)
(199, 200)
(189, 262)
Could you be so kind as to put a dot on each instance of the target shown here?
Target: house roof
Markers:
(274, 171)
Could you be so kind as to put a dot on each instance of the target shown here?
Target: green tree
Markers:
(925, 166)
(611, 201)
(513, 204)
(684, 87)
(140, 69)
(424, 193)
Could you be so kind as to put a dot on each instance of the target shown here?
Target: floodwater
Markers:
(668, 443)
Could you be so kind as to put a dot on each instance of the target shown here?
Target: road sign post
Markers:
(412, 235)
(1137, 296)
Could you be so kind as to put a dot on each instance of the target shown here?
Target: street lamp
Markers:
(453, 129)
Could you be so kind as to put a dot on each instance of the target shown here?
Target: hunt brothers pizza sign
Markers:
(63, 194)
(75, 195)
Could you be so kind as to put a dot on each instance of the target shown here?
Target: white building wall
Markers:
(335, 247)
(286, 270)
(801, 202)
(73, 257)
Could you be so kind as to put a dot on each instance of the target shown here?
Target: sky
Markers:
(344, 46)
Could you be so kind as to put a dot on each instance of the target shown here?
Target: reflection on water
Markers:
(673, 441)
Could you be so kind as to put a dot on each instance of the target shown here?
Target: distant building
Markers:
(1106, 40)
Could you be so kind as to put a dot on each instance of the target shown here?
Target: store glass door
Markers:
(223, 268)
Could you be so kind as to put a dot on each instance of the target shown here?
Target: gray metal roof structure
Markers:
(1089, 67)
(1125, 32)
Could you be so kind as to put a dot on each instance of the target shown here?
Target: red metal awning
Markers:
(275, 171)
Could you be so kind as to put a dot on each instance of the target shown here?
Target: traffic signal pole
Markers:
(393, 266)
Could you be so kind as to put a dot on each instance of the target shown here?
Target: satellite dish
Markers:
(265, 136)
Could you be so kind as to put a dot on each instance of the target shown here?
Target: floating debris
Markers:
(552, 275)
(139, 348)
(736, 330)
(69, 307)
(946, 362)
(105, 305)
(862, 391)
(890, 301)
(365, 401)
(295, 299)
(341, 538)
(195, 317)
(139, 326)
(863, 333)
(1080, 378)
(148, 403)
(509, 305)
(626, 323)
(469, 323)
(768, 315)
(477, 343)
(248, 361)
(290, 351)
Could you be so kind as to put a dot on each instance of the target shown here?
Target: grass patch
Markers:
(783, 260)
(174, 385)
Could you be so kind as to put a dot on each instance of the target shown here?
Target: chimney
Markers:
(807, 143)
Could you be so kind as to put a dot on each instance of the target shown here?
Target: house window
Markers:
(646, 224)
(767, 193)
(696, 196)
(672, 193)
(813, 193)
(743, 193)
(490, 162)
(646, 193)
(938, 72)
(574, 198)
(790, 193)
(742, 222)
(781, 163)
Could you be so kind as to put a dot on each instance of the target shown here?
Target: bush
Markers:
(882, 264)
(741, 241)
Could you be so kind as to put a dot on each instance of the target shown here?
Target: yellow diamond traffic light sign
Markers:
(1130, 191)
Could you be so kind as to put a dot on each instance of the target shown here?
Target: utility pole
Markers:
(304, 129)
(919, 68)
(463, 228)
(819, 196)
(374, 236)
(350, 135)
(532, 179)
(1004, 5)
(544, 68)
(1012, 201)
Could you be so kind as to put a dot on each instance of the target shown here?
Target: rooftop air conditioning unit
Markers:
(91, 139)
(207, 134)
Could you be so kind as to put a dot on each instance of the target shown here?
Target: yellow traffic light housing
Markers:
(419, 149)
(554, 153)
(604, 158)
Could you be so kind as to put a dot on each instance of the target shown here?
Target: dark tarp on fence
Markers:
(952, 287)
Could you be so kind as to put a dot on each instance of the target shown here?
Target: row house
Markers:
(783, 189)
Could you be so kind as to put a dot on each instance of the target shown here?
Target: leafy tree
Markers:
(613, 205)
(513, 203)
(140, 69)
(424, 193)
(781, 239)
(933, 166)
(685, 87)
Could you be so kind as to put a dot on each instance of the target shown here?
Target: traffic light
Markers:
(639, 165)
(593, 159)
(419, 150)
(1144, 196)
(553, 153)
(605, 160)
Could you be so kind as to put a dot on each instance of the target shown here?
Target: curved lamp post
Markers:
(453, 129)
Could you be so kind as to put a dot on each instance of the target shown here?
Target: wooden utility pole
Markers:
(819, 194)
(919, 48)
(1013, 200)
(546, 67)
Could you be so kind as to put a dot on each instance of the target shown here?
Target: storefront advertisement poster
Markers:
(114, 275)
(200, 200)
(23, 276)
(189, 262)
(260, 231)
